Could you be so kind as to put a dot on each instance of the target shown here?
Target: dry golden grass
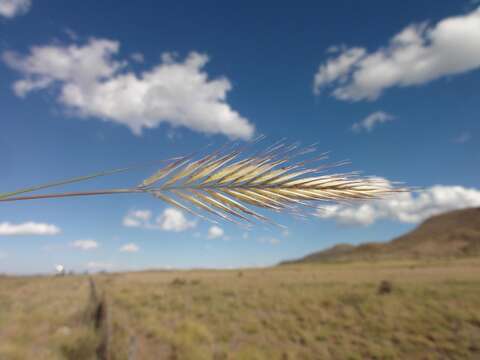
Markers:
(45, 318)
(301, 312)
(430, 311)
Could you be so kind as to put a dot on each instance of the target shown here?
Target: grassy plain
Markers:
(45, 318)
(431, 310)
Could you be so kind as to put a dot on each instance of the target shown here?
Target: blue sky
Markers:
(87, 86)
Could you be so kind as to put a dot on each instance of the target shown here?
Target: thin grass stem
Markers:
(72, 194)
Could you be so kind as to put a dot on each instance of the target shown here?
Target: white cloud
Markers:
(269, 240)
(130, 248)
(416, 55)
(93, 83)
(371, 121)
(339, 68)
(87, 244)
(12, 8)
(170, 220)
(137, 218)
(28, 228)
(404, 207)
(174, 220)
(137, 57)
(215, 232)
(463, 138)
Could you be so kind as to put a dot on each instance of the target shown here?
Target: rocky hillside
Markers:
(452, 234)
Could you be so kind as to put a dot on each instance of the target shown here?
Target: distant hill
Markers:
(452, 234)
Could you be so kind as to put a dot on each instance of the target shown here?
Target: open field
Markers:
(431, 310)
(45, 318)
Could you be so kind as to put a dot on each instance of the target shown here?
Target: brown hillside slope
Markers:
(452, 234)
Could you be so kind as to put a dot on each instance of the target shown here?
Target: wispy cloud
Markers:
(372, 120)
(417, 55)
(87, 244)
(72, 35)
(137, 218)
(28, 228)
(131, 247)
(137, 57)
(12, 8)
(99, 265)
(93, 83)
(269, 240)
(463, 138)
(404, 207)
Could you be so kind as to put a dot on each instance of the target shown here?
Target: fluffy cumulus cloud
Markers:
(87, 244)
(137, 218)
(12, 8)
(404, 207)
(215, 232)
(174, 220)
(372, 120)
(28, 228)
(417, 55)
(130, 248)
(92, 82)
(170, 220)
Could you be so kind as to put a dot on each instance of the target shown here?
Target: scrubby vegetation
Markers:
(453, 234)
(395, 310)
(45, 318)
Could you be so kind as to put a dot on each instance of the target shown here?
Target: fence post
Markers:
(132, 349)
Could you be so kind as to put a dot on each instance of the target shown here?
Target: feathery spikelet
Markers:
(228, 185)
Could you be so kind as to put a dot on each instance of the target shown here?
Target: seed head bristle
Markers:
(224, 186)
(230, 185)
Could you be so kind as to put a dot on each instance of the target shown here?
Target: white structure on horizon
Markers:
(60, 269)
